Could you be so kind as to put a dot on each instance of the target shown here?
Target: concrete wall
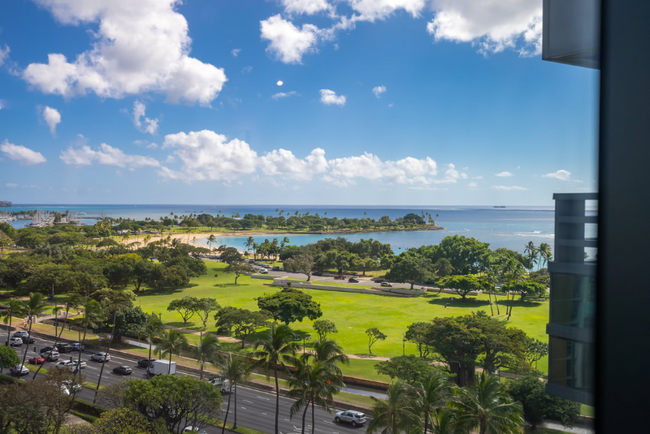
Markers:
(375, 291)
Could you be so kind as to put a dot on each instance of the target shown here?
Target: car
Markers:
(192, 429)
(50, 356)
(66, 364)
(76, 346)
(36, 360)
(276, 268)
(354, 418)
(50, 348)
(81, 363)
(144, 363)
(28, 339)
(15, 342)
(339, 277)
(122, 370)
(378, 280)
(353, 280)
(317, 273)
(387, 284)
(263, 271)
(266, 265)
(19, 370)
(100, 357)
(20, 334)
(72, 386)
(64, 348)
(222, 385)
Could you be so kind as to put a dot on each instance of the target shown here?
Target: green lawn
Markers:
(353, 313)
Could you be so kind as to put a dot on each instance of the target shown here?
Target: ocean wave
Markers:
(538, 234)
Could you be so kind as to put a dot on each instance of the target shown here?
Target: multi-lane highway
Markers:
(255, 409)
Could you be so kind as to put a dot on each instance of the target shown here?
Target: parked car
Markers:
(378, 280)
(387, 284)
(144, 363)
(353, 280)
(20, 334)
(15, 342)
(339, 277)
(50, 348)
(100, 357)
(123, 370)
(76, 346)
(19, 370)
(354, 418)
(27, 340)
(263, 271)
(192, 429)
(81, 363)
(50, 356)
(276, 268)
(317, 273)
(222, 385)
(72, 386)
(64, 348)
(36, 360)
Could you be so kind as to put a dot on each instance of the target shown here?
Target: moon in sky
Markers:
(280, 83)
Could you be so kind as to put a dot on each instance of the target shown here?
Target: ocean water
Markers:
(510, 227)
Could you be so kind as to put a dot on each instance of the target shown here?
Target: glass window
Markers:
(571, 364)
(573, 301)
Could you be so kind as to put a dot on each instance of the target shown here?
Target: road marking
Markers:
(261, 397)
(243, 408)
(245, 400)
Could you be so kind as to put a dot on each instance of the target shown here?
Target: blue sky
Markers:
(382, 102)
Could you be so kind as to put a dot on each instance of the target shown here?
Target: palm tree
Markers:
(234, 371)
(15, 308)
(208, 350)
(34, 307)
(532, 251)
(211, 239)
(93, 315)
(444, 421)
(250, 241)
(432, 394)
(270, 346)
(396, 414)
(172, 342)
(545, 253)
(331, 353)
(112, 301)
(152, 330)
(488, 406)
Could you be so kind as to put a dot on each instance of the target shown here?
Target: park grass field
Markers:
(352, 313)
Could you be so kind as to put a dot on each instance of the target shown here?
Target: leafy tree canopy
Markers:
(290, 305)
(406, 368)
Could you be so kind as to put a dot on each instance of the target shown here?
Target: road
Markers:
(363, 281)
(255, 409)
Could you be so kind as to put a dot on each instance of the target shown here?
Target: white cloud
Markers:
(106, 154)
(146, 143)
(491, 25)
(411, 171)
(235, 52)
(4, 54)
(246, 69)
(562, 175)
(207, 155)
(2, 104)
(283, 162)
(378, 90)
(503, 174)
(11, 185)
(140, 46)
(24, 156)
(287, 42)
(472, 185)
(329, 97)
(150, 125)
(284, 94)
(52, 117)
(307, 7)
(371, 10)
(509, 187)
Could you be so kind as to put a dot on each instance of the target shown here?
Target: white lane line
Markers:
(245, 400)
(261, 397)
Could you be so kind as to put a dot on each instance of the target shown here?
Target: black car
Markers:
(27, 340)
(122, 370)
(317, 273)
(144, 363)
(65, 348)
(50, 348)
(353, 280)
(275, 268)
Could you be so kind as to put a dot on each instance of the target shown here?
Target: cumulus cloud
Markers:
(287, 42)
(503, 174)
(472, 185)
(562, 175)
(378, 90)
(4, 54)
(206, 155)
(11, 185)
(492, 26)
(52, 118)
(106, 154)
(371, 10)
(235, 52)
(306, 7)
(2, 104)
(247, 69)
(140, 46)
(329, 97)
(509, 187)
(284, 94)
(283, 162)
(24, 156)
(149, 125)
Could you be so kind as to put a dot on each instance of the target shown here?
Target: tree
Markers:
(140, 274)
(418, 333)
(178, 401)
(324, 327)
(532, 251)
(539, 405)
(443, 267)
(211, 239)
(290, 305)
(300, 264)
(243, 321)
(270, 347)
(467, 255)
(409, 369)
(488, 407)
(34, 306)
(15, 308)
(545, 253)
(8, 357)
(463, 285)
(234, 371)
(534, 350)
(186, 307)
(374, 335)
(367, 264)
(207, 351)
(204, 307)
(120, 421)
(525, 288)
(172, 342)
(396, 414)
(432, 394)
(112, 396)
(153, 329)
(502, 346)
(409, 268)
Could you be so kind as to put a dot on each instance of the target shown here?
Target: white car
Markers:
(222, 385)
(71, 386)
(15, 342)
(263, 271)
(192, 429)
(21, 334)
(82, 363)
(354, 418)
(100, 357)
(19, 370)
(66, 364)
